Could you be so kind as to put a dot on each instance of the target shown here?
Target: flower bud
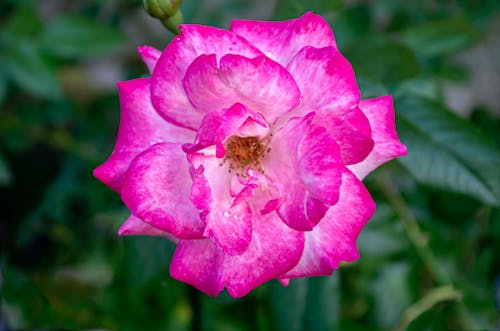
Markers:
(167, 11)
(162, 9)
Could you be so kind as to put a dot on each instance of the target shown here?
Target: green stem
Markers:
(432, 298)
(195, 302)
(420, 241)
(167, 11)
(172, 23)
(417, 237)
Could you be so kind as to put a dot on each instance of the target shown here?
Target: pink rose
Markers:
(246, 148)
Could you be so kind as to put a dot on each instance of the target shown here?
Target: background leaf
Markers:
(323, 303)
(288, 305)
(391, 294)
(28, 67)
(440, 37)
(306, 304)
(5, 174)
(77, 36)
(448, 152)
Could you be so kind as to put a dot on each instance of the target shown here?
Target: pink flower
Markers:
(246, 148)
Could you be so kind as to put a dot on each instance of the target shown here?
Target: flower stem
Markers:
(417, 237)
(432, 298)
(420, 241)
(195, 302)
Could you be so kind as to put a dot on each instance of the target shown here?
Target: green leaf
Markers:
(419, 86)
(448, 152)
(488, 123)
(350, 24)
(146, 258)
(440, 37)
(452, 72)
(370, 89)
(433, 165)
(24, 22)
(391, 294)
(31, 70)
(5, 173)
(21, 291)
(306, 304)
(288, 304)
(383, 60)
(286, 9)
(381, 237)
(76, 36)
(323, 303)
(3, 86)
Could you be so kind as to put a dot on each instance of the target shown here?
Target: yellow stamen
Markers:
(243, 152)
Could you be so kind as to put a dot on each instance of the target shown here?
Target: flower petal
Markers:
(258, 83)
(134, 226)
(351, 130)
(207, 133)
(334, 86)
(228, 222)
(274, 249)
(264, 85)
(380, 113)
(157, 188)
(305, 165)
(333, 240)
(200, 264)
(167, 92)
(203, 86)
(149, 55)
(241, 121)
(140, 127)
(280, 41)
(284, 281)
(216, 127)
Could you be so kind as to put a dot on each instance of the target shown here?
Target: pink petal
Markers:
(380, 113)
(199, 263)
(258, 83)
(241, 121)
(149, 55)
(203, 86)
(134, 226)
(284, 281)
(305, 165)
(263, 84)
(157, 188)
(216, 127)
(325, 79)
(280, 41)
(274, 249)
(168, 95)
(333, 240)
(351, 130)
(228, 222)
(207, 133)
(140, 127)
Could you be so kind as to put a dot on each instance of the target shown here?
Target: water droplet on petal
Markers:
(226, 213)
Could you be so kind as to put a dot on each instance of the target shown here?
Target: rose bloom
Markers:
(247, 149)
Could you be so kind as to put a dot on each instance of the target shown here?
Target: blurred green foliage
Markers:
(430, 256)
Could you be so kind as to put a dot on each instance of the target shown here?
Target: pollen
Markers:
(245, 152)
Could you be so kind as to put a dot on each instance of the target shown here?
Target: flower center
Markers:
(244, 152)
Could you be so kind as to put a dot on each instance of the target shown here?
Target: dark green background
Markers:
(429, 257)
